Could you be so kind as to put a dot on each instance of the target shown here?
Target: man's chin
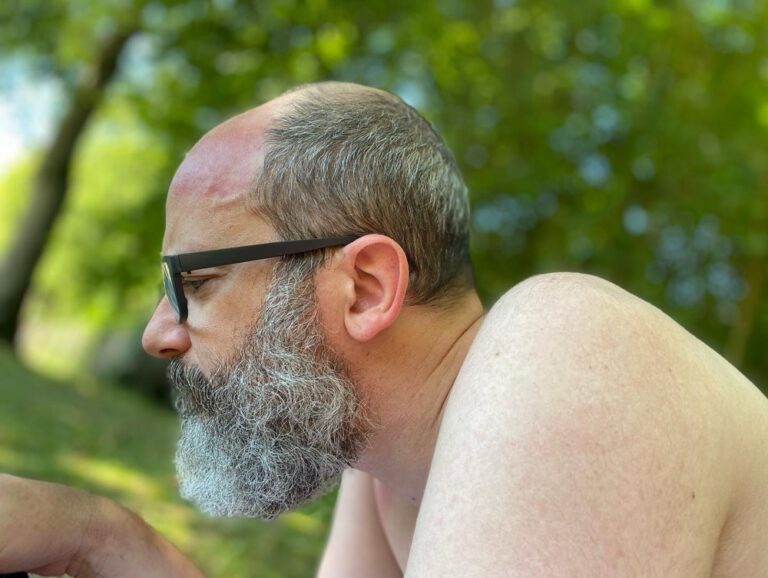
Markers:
(232, 506)
(204, 492)
(219, 494)
(228, 509)
(217, 481)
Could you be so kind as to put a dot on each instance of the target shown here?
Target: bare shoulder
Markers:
(598, 325)
(564, 297)
(579, 325)
(587, 432)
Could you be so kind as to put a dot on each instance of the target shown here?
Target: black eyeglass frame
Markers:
(174, 265)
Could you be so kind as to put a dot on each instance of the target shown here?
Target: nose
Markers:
(163, 337)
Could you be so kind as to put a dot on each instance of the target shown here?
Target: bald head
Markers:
(349, 90)
(332, 159)
(226, 160)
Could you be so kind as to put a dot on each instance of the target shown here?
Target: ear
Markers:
(378, 269)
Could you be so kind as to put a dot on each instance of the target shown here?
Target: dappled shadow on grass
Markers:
(104, 439)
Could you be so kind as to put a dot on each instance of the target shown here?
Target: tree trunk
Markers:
(50, 186)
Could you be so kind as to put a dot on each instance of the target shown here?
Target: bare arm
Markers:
(357, 545)
(52, 529)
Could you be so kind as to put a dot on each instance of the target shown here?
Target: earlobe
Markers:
(379, 270)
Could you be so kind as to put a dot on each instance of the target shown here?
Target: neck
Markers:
(407, 387)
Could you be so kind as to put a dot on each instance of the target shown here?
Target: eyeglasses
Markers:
(174, 265)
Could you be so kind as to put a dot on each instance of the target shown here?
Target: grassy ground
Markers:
(97, 437)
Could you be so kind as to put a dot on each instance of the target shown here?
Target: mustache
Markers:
(194, 393)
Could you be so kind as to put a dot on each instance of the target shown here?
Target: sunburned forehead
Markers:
(224, 162)
(206, 200)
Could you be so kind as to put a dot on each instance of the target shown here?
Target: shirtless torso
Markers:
(711, 424)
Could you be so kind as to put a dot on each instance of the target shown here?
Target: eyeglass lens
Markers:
(170, 292)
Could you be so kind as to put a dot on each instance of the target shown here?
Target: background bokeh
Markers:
(623, 138)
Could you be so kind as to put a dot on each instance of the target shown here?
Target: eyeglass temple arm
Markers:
(218, 257)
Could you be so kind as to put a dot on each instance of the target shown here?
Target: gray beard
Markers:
(275, 426)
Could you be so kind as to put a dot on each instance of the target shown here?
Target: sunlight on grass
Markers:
(9, 460)
(110, 475)
(174, 521)
(303, 523)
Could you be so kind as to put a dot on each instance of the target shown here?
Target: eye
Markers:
(193, 283)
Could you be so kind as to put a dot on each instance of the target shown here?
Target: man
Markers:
(573, 430)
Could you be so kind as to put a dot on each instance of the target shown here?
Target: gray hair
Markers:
(344, 159)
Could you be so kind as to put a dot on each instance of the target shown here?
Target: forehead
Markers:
(206, 206)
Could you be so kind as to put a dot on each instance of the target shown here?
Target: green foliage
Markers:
(116, 212)
(100, 271)
(625, 139)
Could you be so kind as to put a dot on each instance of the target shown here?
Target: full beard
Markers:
(276, 425)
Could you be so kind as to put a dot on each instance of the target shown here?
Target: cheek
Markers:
(215, 325)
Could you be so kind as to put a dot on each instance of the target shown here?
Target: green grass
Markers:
(103, 439)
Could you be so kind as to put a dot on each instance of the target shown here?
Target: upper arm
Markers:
(357, 545)
(573, 444)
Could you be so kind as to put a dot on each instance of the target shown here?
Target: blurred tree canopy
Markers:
(624, 138)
